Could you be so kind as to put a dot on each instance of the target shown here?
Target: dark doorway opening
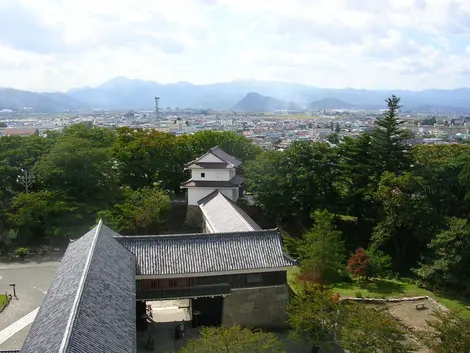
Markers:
(141, 320)
(207, 311)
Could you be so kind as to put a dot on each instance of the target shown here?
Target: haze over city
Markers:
(193, 176)
(46, 45)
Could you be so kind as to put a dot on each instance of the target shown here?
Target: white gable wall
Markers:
(232, 194)
(196, 194)
(210, 158)
(212, 174)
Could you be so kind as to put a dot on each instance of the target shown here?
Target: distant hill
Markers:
(257, 102)
(126, 93)
(330, 103)
(18, 100)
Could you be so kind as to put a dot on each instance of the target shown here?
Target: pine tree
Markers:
(390, 152)
(322, 250)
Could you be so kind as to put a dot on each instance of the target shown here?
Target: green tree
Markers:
(333, 138)
(444, 168)
(450, 333)
(313, 315)
(265, 178)
(7, 237)
(236, 145)
(390, 152)
(464, 182)
(99, 136)
(234, 339)
(80, 169)
(358, 168)
(142, 211)
(407, 134)
(368, 330)
(406, 221)
(337, 128)
(146, 157)
(429, 121)
(18, 152)
(322, 251)
(448, 264)
(133, 155)
(292, 184)
(379, 263)
(40, 215)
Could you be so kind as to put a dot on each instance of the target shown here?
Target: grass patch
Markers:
(380, 288)
(385, 288)
(292, 282)
(3, 299)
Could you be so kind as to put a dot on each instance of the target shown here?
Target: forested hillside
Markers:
(409, 204)
(126, 177)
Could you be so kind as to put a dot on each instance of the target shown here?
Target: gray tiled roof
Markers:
(218, 152)
(224, 215)
(233, 183)
(206, 165)
(206, 253)
(90, 304)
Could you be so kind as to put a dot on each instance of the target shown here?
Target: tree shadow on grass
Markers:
(383, 286)
(378, 286)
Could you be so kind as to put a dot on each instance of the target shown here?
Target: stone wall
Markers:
(262, 307)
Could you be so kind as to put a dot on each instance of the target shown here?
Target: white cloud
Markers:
(56, 45)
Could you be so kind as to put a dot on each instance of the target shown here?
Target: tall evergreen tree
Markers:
(390, 152)
(322, 251)
(358, 167)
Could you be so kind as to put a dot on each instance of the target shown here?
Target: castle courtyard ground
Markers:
(32, 279)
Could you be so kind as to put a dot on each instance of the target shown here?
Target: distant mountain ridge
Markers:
(125, 93)
(256, 102)
(330, 103)
(15, 99)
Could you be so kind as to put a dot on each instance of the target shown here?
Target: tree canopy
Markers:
(125, 176)
(234, 339)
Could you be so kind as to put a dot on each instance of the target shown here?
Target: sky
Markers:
(56, 45)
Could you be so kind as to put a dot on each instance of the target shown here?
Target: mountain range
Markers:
(125, 93)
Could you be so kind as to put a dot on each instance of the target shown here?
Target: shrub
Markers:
(21, 252)
(358, 264)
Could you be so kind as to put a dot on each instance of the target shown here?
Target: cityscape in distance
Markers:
(200, 176)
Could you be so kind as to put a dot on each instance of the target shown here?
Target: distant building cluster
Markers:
(270, 131)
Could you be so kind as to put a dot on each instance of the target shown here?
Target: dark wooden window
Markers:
(254, 278)
(246, 280)
(240, 280)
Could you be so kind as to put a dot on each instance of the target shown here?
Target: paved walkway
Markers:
(32, 279)
(18, 325)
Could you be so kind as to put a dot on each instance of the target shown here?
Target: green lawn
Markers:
(385, 289)
(3, 299)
